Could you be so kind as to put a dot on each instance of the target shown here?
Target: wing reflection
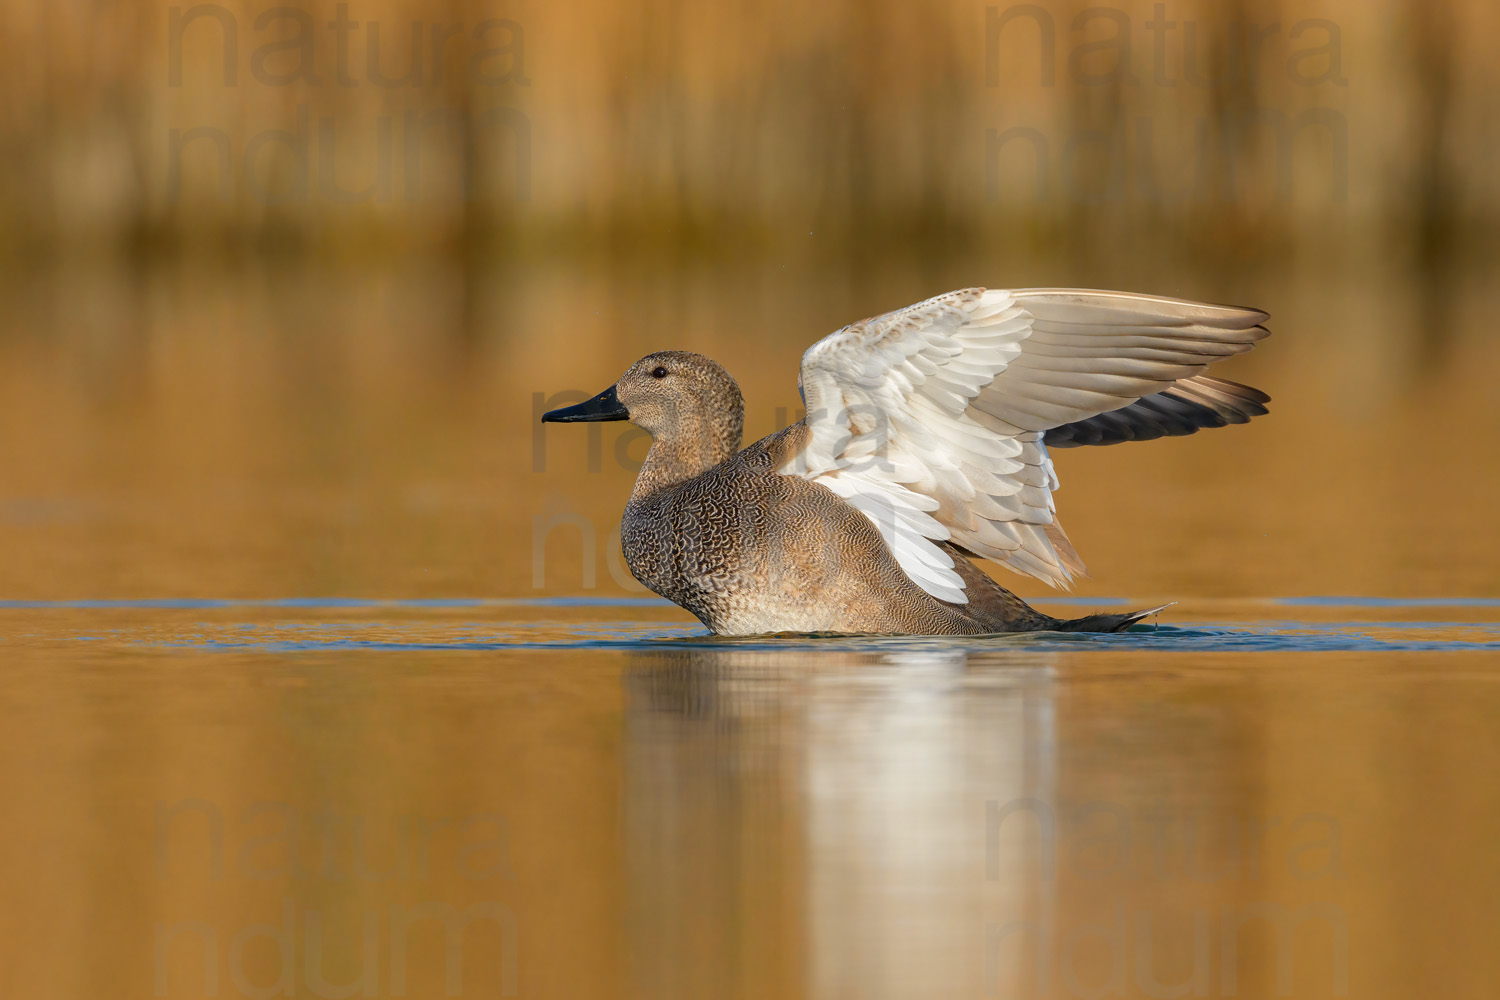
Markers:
(826, 812)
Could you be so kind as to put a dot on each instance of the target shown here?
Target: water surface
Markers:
(306, 631)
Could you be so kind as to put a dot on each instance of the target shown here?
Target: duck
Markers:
(923, 452)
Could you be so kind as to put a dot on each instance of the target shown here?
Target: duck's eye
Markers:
(659, 372)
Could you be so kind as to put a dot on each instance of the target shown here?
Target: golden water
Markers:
(279, 646)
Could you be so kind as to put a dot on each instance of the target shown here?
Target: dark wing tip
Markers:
(1183, 408)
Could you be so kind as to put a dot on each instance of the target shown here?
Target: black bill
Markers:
(605, 406)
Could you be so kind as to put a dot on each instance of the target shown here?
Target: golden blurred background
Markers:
(283, 282)
(287, 285)
(1237, 129)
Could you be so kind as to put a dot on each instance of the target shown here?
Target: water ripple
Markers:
(1277, 637)
(303, 624)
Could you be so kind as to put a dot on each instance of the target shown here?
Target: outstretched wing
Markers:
(1186, 408)
(932, 419)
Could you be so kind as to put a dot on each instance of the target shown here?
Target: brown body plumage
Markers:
(718, 531)
(748, 550)
(748, 547)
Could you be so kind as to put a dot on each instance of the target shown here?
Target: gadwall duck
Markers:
(924, 446)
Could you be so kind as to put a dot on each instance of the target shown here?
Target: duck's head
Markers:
(667, 393)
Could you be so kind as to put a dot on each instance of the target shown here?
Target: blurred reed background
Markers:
(379, 127)
(278, 326)
(283, 283)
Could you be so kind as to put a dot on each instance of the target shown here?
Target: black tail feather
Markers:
(1105, 623)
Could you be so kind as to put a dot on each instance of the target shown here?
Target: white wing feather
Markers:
(930, 419)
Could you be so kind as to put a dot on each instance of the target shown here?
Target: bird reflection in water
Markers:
(800, 821)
